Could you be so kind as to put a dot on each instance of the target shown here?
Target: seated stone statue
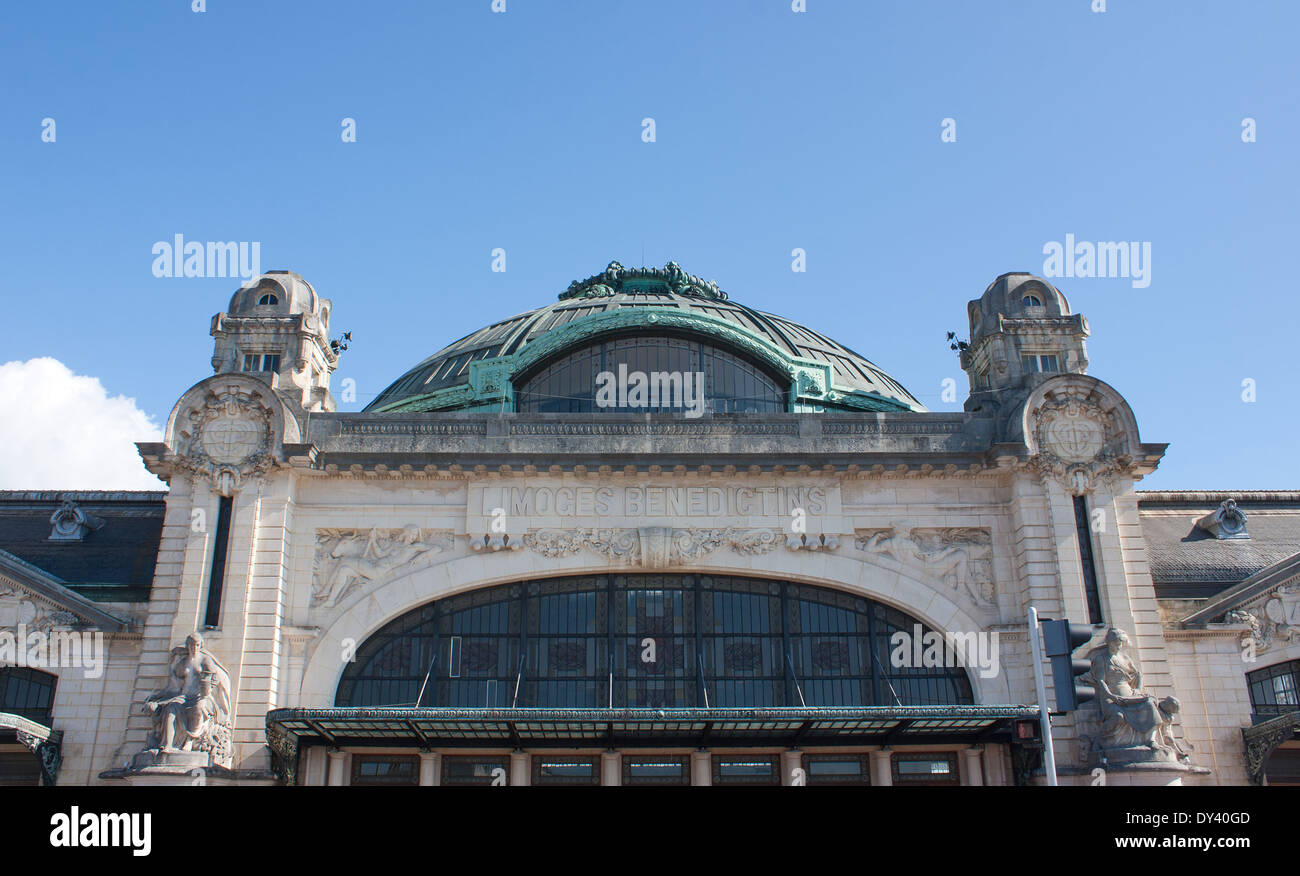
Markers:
(1134, 726)
(192, 713)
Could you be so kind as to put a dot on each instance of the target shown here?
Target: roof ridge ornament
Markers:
(611, 281)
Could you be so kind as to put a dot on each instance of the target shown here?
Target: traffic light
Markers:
(1060, 638)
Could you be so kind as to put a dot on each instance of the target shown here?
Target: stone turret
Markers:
(277, 328)
(1021, 333)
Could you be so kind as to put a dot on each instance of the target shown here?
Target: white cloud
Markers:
(62, 431)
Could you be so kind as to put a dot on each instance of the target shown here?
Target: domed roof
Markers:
(276, 293)
(659, 300)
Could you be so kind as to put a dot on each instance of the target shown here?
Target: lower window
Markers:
(485, 771)
(371, 769)
(745, 770)
(584, 771)
(837, 769)
(925, 769)
(656, 770)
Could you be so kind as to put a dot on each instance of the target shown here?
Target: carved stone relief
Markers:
(1272, 616)
(20, 607)
(226, 439)
(348, 558)
(653, 547)
(1077, 441)
(961, 557)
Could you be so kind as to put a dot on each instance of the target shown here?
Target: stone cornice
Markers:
(879, 445)
(1209, 498)
(115, 496)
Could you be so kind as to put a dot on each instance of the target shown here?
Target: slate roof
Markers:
(1181, 553)
(120, 554)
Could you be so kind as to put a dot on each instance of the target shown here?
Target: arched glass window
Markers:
(572, 383)
(268, 298)
(646, 641)
(1031, 301)
(27, 692)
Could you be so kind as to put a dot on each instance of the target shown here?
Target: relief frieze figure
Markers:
(348, 558)
(961, 557)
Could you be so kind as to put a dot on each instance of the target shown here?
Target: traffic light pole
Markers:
(1035, 643)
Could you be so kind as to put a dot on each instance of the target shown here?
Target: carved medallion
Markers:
(1077, 440)
(228, 438)
(1072, 435)
(231, 439)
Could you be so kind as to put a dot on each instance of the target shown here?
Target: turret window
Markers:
(1031, 301)
(261, 361)
(268, 298)
(1031, 364)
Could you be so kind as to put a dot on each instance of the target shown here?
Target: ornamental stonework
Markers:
(653, 547)
(1271, 617)
(1077, 441)
(960, 557)
(227, 438)
(351, 559)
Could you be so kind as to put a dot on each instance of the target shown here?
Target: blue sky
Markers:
(774, 130)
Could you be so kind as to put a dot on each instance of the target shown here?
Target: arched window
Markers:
(668, 641)
(268, 298)
(603, 376)
(27, 692)
(1031, 301)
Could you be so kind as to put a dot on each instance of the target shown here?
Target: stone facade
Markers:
(339, 523)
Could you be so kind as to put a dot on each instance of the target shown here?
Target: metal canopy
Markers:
(288, 729)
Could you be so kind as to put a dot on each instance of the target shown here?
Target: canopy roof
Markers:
(288, 729)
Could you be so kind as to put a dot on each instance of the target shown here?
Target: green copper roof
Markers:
(476, 371)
